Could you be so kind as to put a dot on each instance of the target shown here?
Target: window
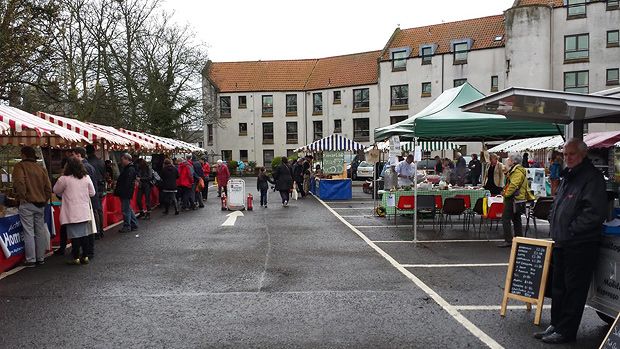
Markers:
(243, 155)
(291, 132)
(400, 97)
(267, 132)
(337, 96)
(575, 9)
(243, 129)
(427, 55)
(459, 82)
(337, 126)
(397, 119)
(613, 5)
(317, 103)
(200, 144)
(612, 77)
(224, 107)
(494, 83)
(291, 105)
(576, 47)
(613, 38)
(268, 156)
(399, 60)
(460, 53)
(361, 130)
(317, 127)
(209, 134)
(426, 89)
(576, 81)
(267, 105)
(243, 102)
(226, 155)
(361, 99)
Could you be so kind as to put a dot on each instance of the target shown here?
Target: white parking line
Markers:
(433, 241)
(478, 333)
(352, 208)
(494, 307)
(383, 226)
(454, 265)
(362, 216)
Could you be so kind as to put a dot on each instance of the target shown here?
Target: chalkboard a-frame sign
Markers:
(612, 340)
(528, 269)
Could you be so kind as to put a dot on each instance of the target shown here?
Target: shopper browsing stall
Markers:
(405, 171)
(516, 193)
(32, 190)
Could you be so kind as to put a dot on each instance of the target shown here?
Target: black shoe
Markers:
(201, 206)
(39, 262)
(59, 252)
(29, 264)
(505, 244)
(557, 338)
(134, 228)
(176, 213)
(124, 230)
(548, 331)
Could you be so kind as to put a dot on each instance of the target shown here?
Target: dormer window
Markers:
(399, 58)
(498, 38)
(460, 53)
(427, 52)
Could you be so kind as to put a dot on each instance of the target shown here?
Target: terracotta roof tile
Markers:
(554, 3)
(482, 30)
(290, 75)
(296, 75)
(349, 70)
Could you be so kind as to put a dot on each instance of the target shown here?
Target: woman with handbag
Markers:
(516, 193)
(76, 214)
(284, 180)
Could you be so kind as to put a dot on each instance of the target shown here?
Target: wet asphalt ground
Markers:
(311, 275)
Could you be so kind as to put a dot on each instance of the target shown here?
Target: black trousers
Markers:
(572, 272)
(284, 194)
(169, 198)
(84, 244)
(263, 196)
(300, 186)
(512, 216)
(205, 191)
(63, 238)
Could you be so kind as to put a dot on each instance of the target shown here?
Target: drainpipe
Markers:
(442, 72)
(551, 48)
(253, 96)
(305, 94)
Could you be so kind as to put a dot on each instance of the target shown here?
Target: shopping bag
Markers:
(294, 194)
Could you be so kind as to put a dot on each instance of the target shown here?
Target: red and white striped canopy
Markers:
(177, 144)
(88, 130)
(139, 143)
(157, 143)
(20, 121)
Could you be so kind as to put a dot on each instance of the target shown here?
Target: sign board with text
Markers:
(333, 162)
(527, 274)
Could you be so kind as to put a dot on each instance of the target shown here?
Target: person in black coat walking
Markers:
(283, 177)
(169, 176)
(262, 185)
(298, 176)
(99, 182)
(124, 190)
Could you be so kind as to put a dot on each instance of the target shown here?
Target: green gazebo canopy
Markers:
(443, 119)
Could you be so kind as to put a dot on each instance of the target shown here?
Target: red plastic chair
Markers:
(405, 203)
(495, 212)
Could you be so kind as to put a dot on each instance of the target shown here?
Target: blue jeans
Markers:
(129, 218)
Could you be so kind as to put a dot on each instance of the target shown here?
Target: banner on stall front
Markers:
(11, 241)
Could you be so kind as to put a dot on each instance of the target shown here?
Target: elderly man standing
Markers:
(405, 171)
(576, 218)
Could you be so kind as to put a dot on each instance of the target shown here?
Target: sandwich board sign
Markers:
(527, 274)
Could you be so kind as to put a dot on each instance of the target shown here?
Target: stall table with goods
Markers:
(390, 199)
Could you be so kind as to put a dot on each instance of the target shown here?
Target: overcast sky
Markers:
(237, 30)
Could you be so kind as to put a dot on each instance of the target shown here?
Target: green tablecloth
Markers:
(474, 195)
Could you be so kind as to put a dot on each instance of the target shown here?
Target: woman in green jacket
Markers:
(516, 193)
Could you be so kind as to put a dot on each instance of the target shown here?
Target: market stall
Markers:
(335, 185)
(24, 129)
(574, 110)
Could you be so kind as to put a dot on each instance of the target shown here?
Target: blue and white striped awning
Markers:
(334, 142)
(431, 146)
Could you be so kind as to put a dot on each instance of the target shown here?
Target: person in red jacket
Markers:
(185, 182)
(206, 168)
(223, 175)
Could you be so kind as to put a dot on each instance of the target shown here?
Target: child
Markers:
(262, 185)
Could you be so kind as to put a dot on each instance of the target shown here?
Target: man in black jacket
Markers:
(576, 218)
(198, 173)
(99, 183)
(124, 190)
